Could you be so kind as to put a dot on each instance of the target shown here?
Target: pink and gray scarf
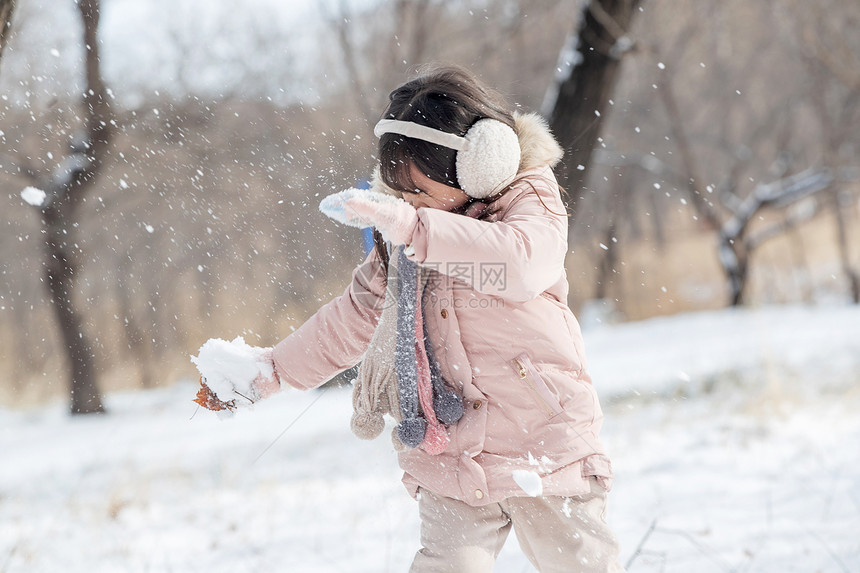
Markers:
(399, 375)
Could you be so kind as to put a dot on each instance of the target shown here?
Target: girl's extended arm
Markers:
(337, 335)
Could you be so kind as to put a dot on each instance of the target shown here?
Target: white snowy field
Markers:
(735, 437)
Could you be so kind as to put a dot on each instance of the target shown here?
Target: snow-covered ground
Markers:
(735, 437)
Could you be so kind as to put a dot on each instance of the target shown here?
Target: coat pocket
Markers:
(536, 385)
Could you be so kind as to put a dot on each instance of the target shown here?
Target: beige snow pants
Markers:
(557, 534)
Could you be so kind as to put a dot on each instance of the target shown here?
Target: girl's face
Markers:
(434, 194)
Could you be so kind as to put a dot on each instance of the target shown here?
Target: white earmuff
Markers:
(488, 156)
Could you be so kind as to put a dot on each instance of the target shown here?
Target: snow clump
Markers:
(230, 368)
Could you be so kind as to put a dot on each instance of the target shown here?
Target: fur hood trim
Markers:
(538, 146)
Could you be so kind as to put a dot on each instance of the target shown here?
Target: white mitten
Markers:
(393, 217)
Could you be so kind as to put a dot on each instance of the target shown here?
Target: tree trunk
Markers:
(60, 279)
(139, 340)
(738, 283)
(617, 200)
(842, 243)
(96, 103)
(6, 9)
(735, 264)
(583, 96)
(606, 266)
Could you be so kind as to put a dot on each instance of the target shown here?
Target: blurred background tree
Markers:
(7, 8)
(65, 182)
(231, 125)
(577, 101)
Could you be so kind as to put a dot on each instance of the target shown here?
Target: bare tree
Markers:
(405, 41)
(763, 159)
(577, 101)
(65, 188)
(6, 9)
(736, 244)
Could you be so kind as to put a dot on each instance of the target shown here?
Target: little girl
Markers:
(459, 317)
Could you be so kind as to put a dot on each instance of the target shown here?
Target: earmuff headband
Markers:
(422, 132)
(488, 157)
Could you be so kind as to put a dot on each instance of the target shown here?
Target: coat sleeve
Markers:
(337, 335)
(517, 257)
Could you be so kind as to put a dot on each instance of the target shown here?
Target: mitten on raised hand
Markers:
(394, 218)
(234, 374)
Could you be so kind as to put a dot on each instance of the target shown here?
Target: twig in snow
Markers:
(703, 549)
(642, 541)
(769, 509)
(243, 396)
(9, 557)
(828, 499)
(830, 552)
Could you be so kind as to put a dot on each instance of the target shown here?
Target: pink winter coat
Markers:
(500, 329)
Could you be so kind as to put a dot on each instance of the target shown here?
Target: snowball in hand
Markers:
(230, 368)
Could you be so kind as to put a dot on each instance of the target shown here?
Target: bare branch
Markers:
(607, 21)
(845, 69)
(779, 193)
(19, 167)
(347, 47)
(792, 220)
(700, 203)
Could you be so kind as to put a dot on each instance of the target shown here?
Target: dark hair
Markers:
(447, 98)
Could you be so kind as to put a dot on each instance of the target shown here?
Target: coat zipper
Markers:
(524, 375)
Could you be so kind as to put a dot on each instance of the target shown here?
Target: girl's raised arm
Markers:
(528, 244)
